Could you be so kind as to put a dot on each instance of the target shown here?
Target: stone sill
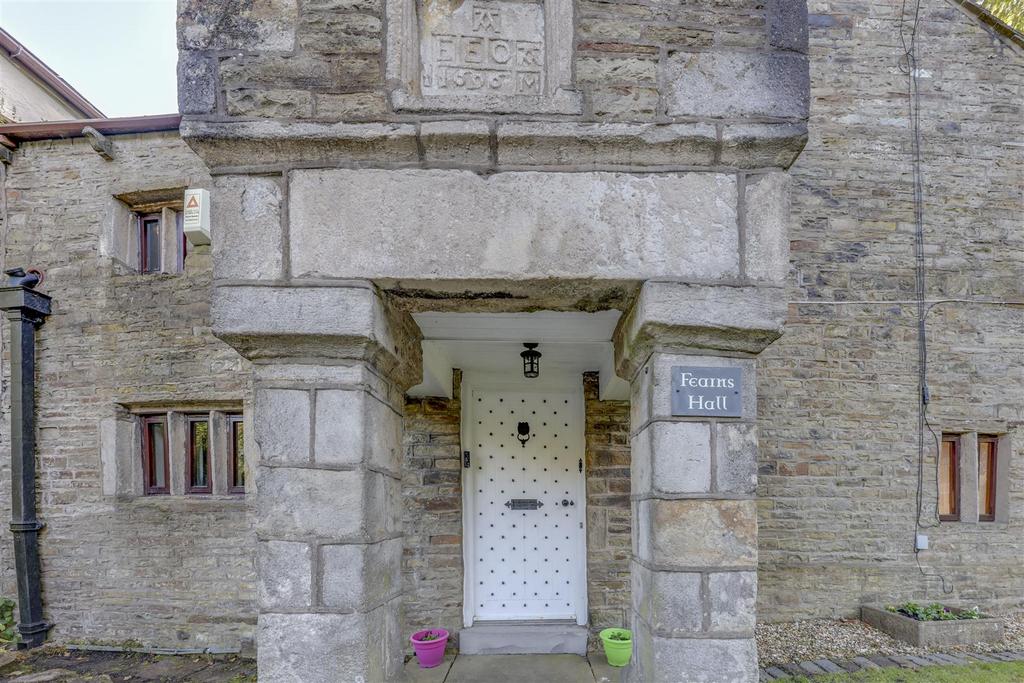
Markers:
(932, 633)
(187, 502)
(252, 146)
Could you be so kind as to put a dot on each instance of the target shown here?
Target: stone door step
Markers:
(523, 638)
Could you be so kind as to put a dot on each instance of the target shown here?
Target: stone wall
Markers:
(608, 510)
(838, 392)
(168, 571)
(633, 61)
(432, 514)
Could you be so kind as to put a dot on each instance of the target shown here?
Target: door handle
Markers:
(566, 503)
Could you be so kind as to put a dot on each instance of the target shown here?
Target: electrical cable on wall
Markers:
(908, 40)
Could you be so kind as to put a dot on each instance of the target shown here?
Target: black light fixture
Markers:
(531, 360)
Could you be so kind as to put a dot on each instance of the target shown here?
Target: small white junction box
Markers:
(922, 542)
(196, 221)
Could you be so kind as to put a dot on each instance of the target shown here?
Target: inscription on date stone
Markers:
(485, 48)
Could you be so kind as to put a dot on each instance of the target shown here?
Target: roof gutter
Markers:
(48, 130)
(38, 68)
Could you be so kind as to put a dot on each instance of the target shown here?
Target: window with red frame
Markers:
(155, 460)
(236, 454)
(949, 478)
(987, 478)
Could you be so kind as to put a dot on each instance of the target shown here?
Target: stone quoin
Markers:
(293, 419)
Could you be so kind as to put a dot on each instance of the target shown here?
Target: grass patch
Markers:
(1003, 672)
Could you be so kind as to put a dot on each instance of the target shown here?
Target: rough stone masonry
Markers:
(476, 173)
(634, 158)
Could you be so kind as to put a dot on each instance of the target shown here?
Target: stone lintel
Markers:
(698, 318)
(519, 144)
(388, 226)
(318, 325)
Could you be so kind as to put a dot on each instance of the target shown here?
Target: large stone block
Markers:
(787, 24)
(325, 648)
(736, 457)
(570, 144)
(766, 205)
(669, 602)
(693, 660)
(697, 317)
(354, 427)
(500, 57)
(284, 573)
(360, 576)
(734, 84)
(732, 601)
(456, 142)
(246, 228)
(672, 457)
(276, 143)
(762, 145)
(281, 423)
(326, 504)
(697, 533)
(307, 324)
(388, 225)
(237, 24)
(197, 82)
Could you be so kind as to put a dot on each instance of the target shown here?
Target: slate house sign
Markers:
(710, 392)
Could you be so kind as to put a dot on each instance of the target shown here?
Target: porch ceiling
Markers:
(571, 343)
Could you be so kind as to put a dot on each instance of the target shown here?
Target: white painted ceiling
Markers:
(489, 344)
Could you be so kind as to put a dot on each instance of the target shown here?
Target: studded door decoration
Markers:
(528, 486)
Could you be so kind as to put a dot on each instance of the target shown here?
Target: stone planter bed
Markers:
(842, 640)
(933, 634)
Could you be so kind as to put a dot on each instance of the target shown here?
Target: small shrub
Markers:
(428, 636)
(933, 612)
(618, 635)
(8, 632)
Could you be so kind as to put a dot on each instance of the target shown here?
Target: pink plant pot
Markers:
(430, 653)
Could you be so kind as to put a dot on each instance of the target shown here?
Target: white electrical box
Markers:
(922, 542)
(196, 220)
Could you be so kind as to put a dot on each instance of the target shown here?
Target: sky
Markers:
(120, 54)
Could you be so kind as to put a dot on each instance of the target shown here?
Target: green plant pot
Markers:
(618, 652)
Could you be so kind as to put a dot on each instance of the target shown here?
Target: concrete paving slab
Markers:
(602, 670)
(520, 669)
(412, 673)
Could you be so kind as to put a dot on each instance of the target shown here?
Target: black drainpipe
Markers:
(26, 309)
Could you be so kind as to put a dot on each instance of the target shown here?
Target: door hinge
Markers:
(465, 459)
(581, 465)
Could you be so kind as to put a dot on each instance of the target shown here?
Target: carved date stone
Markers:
(482, 55)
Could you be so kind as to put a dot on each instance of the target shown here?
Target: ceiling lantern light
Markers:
(531, 360)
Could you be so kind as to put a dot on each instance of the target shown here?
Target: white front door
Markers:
(525, 505)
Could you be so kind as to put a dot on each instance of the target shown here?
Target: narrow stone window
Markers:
(150, 258)
(155, 463)
(236, 454)
(199, 476)
(949, 479)
(987, 472)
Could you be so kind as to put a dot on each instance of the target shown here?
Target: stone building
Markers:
(32, 91)
(317, 435)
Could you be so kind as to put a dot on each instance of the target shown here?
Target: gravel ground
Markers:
(809, 640)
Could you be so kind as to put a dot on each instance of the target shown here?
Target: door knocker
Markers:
(524, 433)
